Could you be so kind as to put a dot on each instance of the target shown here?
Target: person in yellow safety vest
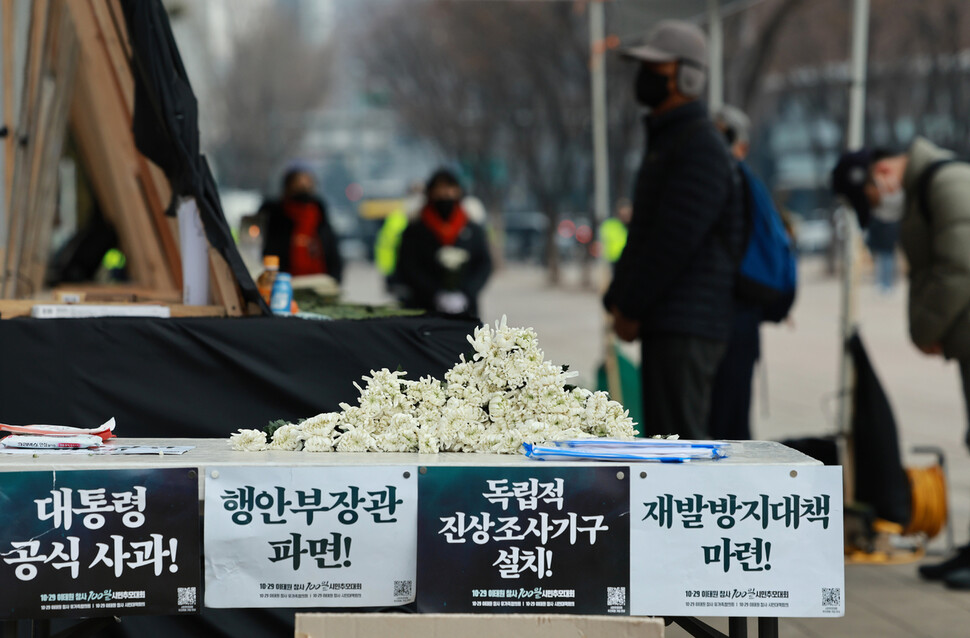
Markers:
(613, 231)
(388, 240)
(113, 263)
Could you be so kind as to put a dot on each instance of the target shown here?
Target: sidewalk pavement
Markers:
(794, 396)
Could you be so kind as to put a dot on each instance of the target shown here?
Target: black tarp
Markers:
(166, 128)
(878, 474)
(880, 480)
(206, 377)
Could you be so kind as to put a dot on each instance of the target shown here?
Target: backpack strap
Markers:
(747, 212)
(923, 184)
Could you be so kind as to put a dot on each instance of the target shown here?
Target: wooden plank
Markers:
(23, 152)
(37, 247)
(118, 292)
(224, 289)
(102, 130)
(8, 115)
(154, 184)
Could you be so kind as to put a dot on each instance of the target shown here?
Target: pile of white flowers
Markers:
(506, 395)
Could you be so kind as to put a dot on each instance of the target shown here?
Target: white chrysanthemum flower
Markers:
(287, 437)
(322, 424)
(248, 440)
(318, 443)
(356, 440)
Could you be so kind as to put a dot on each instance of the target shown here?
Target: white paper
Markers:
(89, 311)
(195, 254)
(353, 553)
(773, 568)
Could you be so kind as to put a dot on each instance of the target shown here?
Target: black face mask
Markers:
(301, 197)
(444, 207)
(651, 87)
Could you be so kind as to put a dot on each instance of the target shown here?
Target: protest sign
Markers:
(310, 536)
(737, 540)
(523, 540)
(99, 543)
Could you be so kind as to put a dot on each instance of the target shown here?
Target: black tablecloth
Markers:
(206, 377)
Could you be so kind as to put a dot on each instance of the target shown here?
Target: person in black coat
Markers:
(673, 286)
(298, 231)
(443, 259)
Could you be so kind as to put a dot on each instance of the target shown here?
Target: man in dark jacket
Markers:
(674, 284)
(443, 258)
(298, 231)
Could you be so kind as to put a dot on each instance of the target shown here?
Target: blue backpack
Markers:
(768, 274)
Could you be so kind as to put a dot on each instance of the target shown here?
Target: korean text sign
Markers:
(310, 536)
(737, 541)
(524, 540)
(99, 543)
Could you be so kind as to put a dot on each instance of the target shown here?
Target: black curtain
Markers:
(166, 128)
(207, 377)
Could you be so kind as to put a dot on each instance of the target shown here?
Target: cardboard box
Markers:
(475, 626)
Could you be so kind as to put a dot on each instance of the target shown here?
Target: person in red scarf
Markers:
(443, 259)
(298, 231)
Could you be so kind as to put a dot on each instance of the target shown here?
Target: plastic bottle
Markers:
(282, 298)
(271, 267)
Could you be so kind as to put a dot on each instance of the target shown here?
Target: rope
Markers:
(929, 511)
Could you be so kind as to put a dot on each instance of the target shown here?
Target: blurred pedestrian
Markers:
(730, 416)
(930, 192)
(881, 221)
(673, 284)
(298, 230)
(614, 231)
(443, 260)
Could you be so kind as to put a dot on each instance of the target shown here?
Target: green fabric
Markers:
(388, 240)
(613, 234)
(938, 252)
(629, 385)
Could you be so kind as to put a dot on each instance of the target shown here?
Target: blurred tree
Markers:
(275, 80)
(501, 84)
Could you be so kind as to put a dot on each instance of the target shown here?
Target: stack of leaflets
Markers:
(660, 450)
(47, 437)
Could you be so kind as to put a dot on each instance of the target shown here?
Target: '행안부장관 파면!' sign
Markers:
(310, 536)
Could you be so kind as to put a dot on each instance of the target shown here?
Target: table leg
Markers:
(40, 629)
(738, 627)
(767, 628)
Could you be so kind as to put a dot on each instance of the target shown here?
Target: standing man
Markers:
(731, 394)
(931, 193)
(673, 287)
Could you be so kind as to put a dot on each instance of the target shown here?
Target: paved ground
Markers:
(794, 397)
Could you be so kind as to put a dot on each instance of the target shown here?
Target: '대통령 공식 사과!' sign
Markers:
(736, 540)
(99, 543)
(310, 536)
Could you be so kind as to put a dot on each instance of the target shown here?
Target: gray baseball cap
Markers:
(672, 40)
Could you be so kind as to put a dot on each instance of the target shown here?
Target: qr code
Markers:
(615, 596)
(186, 596)
(403, 588)
(831, 596)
